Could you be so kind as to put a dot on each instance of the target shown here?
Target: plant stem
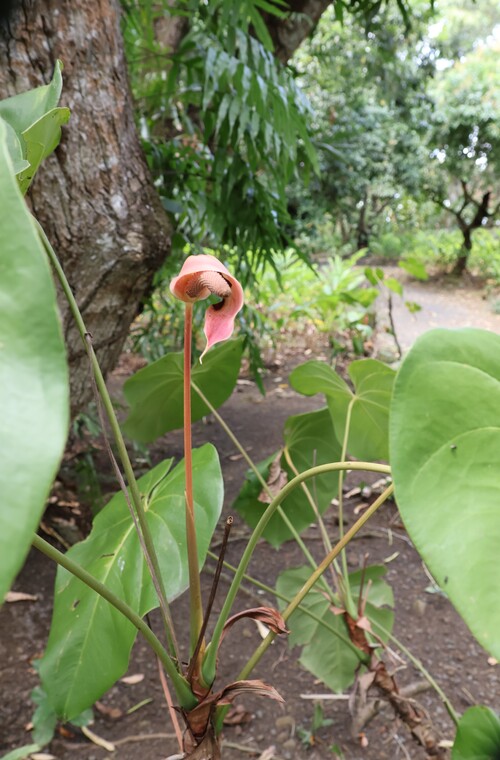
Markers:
(151, 556)
(195, 603)
(324, 533)
(292, 606)
(209, 666)
(291, 527)
(184, 694)
(318, 572)
(346, 591)
(362, 657)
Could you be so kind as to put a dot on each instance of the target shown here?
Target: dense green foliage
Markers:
(224, 125)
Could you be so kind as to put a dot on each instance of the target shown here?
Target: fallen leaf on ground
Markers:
(19, 596)
(237, 715)
(109, 712)
(268, 753)
(135, 678)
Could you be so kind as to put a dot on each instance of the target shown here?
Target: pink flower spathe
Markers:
(201, 276)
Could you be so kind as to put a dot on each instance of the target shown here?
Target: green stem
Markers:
(362, 657)
(342, 543)
(343, 557)
(324, 533)
(150, 552)
(209, 666)
(419, 665)
(184, 694)
(281, 512)
(314, 577)
(195, 602)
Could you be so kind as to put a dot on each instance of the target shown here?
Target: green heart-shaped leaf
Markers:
(445, 458)
(90, 641)
(369, 402)
(155, 393)
(33, 376)
(478, 735)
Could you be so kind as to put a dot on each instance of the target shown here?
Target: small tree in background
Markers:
(465, 144)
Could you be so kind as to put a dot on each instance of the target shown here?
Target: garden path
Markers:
(444, 301)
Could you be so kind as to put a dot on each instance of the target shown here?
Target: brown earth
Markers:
(425, 622)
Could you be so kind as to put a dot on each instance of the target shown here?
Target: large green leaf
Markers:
(33, 376)
(155, 393)
(33, 124)
(445, 457)
(370, 400)
(90, 641)
(310, 441)
(325, 655)
(478, 735)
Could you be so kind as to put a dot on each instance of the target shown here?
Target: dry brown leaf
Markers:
(198, 719)
(268, 753)
(114, 713)
(237, 715)
(266, 615)
(276, 479)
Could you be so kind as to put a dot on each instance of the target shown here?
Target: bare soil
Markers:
(425, 622)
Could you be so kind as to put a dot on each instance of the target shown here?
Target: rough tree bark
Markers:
(289, 33)
(94, 196)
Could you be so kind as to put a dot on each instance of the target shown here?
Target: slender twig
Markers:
(209, 665)
(393, 326)
(170, 704)
(211, 598)
(182, 689)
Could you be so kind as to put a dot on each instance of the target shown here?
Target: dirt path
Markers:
(425, 621)
(444, 302)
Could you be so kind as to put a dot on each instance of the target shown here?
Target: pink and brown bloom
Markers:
(202, 276)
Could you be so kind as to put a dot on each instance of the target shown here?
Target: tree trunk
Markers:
(362, 230)
(463, 256)
(289, 32)
(94, 196)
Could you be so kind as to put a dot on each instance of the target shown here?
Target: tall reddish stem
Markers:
(196, 610)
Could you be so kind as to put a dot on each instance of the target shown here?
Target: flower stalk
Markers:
(195, 606)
